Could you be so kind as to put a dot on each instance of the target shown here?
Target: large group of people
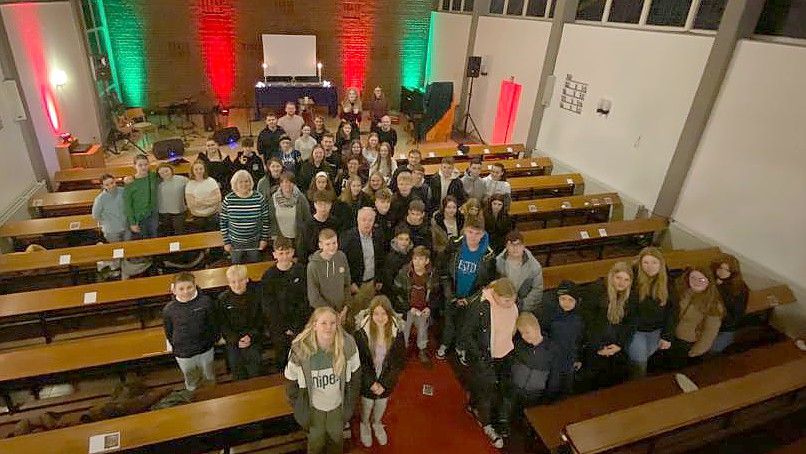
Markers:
(365, 250)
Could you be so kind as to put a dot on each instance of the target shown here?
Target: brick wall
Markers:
(173, 54)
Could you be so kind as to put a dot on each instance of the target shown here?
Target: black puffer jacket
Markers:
(392, 364)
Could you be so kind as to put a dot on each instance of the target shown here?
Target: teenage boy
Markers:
(329, 275)
(291, 123)
(562, 322)
(191, 330)
(289, 158)
(362, 246)
(285, 299)
(414, 158)
(470, 266)
(420, 187)
(383, 224)
(268, 141)
(332, 154)
(241, 322)
(322, 218)
(472, 182)
(247, 160)
(445, 183)
(107, 209)
(418, 228)
(413, 287)
(140, 200)
(399, 255)
(402, 198)
(522, 268)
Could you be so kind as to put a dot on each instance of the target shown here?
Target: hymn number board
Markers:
(573, 94)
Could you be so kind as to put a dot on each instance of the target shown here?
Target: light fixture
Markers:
(264, 65)
(58, 78)
(326, 84)
(319, 65)
(260, 84)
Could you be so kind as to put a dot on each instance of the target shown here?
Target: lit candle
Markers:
(319, 71)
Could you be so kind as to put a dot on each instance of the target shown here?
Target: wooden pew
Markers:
(592, 207)
(64, 203)
(592, 236)
(527, 166)
(566, 184)
(73, 179)
(85, 255)
(548, 421)
(434, 155)
(151, 428)
(44, 226)
(50, 304)
(644, 426)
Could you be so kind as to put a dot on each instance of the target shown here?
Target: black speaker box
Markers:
(473, 66)
(227, 135)
(168, 149)
(411, 101)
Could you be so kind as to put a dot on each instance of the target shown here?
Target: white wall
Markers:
(61, 47)
(746, 189)
(447, 48)
(508, 47)
(650, 77)
(16, 173)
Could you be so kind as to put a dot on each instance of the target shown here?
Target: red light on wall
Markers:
(50, 109)
(356, 26)
(216, 23)
(507, 111)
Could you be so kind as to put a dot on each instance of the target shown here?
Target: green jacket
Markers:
(140, 198)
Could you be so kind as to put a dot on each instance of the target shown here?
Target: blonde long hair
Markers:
(305, 344)
(655, 287)
(374, 334)
(617, 300)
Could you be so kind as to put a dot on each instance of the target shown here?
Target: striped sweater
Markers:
(244, 221)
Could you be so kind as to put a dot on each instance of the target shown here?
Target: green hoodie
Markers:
(140, 198)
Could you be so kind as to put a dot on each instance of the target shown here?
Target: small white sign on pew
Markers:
(104, 442)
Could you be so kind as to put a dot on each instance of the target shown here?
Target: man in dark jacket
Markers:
(285, 299)
(563, 324)
(470, 266)
(364, 251)
(418, 226)
(444, 183)
(268, 141)
(190, 328)
(241, 323)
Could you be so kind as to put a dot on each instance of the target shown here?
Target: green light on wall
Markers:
(125, 26)
(415, 21)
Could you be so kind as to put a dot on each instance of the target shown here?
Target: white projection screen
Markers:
(289, 55)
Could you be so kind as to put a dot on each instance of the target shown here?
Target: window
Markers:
(668, 12)
(457, 5)
(626, 11)
(497, 7)
(536, 8)
(709, 14)
(515, 7)
(590, 10)
(446, 5)
(468, 6)
(783, 18)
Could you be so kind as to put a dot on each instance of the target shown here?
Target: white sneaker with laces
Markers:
(495, 439)
(366, 434)
(442, 351)
(380, 434)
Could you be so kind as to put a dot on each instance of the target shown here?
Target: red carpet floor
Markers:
(424, 424)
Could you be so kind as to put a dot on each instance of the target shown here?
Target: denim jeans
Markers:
(197, 367)
(643, 345)
(245, 255)
(148, 227)
(722, 341)
(244, 362)
(117, 237)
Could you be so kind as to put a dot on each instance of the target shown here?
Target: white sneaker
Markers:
(460, 354)
(380, 434)
(366, 434)
(347, 433)
(442, 351)
(495, 439)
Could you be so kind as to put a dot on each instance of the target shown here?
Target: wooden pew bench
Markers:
(75, 179)
(154, 429)
(685, 421)
(578, 209)
(435, 155)
(73, 260)
(567, 184)
(49, 232)
(638, 232)
(549, 421)
(64, 203)
(43, 307)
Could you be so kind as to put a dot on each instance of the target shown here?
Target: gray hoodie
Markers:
(530, 291)
(474, 186)
(328, 281)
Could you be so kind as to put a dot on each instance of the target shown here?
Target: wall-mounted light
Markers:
(264, 65)
(58, 78)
